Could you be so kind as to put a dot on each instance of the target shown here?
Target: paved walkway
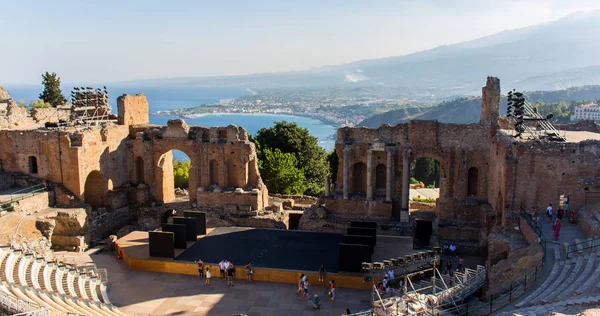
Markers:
(151, 293)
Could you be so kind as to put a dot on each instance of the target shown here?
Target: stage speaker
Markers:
(161, 244)
(178, 231)
(200, 221)
(190, 227)
(352, 256)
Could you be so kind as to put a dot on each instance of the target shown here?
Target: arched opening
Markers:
(173, 176)
(213, 172)
(425, 180)
(472, 181)
(359, 175)
(139, 170)
(33, 167)
(95, 189)
(380, 178)
(232, 179)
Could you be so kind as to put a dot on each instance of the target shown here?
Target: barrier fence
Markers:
(21, 195)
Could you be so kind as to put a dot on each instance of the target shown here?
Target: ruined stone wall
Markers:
(51, 114)
(222, 159)
(132, 109)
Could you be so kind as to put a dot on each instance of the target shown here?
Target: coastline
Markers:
(193, 116)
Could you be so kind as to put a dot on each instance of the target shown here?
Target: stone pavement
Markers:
(151, 293)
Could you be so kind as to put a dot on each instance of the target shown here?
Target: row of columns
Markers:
(389, 182)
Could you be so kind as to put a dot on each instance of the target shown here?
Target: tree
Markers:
(427, 170)
(311, 159)
(52, 93)
(181, 174)
(281, 174)
(333, 160)
(21, 104)
(39, 104)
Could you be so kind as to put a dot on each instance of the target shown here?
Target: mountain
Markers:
(467, 110)
(549, 56)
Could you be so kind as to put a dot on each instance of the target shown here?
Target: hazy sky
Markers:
(105, 41)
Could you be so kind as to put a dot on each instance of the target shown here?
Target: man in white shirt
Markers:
(222, 269)
(549, 212)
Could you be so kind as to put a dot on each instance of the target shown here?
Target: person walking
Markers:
(316, 302)
(208, 276)
(332, 289)
(230, 274)
(549, 212)
(322, 273)
(249, 271)
(200, 267)
(449, 265)
(305, 285)
(300, 284)
(222, 269)
(556, 229)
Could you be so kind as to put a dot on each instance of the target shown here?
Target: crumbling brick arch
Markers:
(380, 178)
(359, 177)
(95, 189)
(164, 182)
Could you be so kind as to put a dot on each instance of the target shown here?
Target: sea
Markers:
(169, 97)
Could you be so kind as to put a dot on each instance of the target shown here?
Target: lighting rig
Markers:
(89, 104)
(527, 121)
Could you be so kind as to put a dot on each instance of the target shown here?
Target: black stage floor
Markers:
(267, 248)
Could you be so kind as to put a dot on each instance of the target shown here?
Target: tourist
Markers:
(346, 312)
(556, 229)
(385, 282)
(222, 269)
(322, 273)
(449, 265)
(461, 261)
(249, 271)
(390, 274)
(305, 285)
(532, 212)
(549, 212)
(300, 284)
(230, 273)
(208, 276)
(316, 301)
(445, 249)
(200, 267)
(332, 289)
(560, 214)
(452, 248)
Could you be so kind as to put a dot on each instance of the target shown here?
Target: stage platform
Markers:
(277, 255)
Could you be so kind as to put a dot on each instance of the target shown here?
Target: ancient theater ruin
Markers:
(71, 180)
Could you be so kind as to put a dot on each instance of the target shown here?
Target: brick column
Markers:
(346, 184)
(369, 175)
(405, 177)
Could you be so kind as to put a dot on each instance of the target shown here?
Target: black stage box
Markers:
(363, 224)
(161, 244)
(190, 227)
(359, 240)
(352, 256)
(200, 221)
(178, 231)
(363, 232)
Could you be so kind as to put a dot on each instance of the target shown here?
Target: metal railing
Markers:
(586, 244)
(532, 221)
(18, 306)
(21, 195)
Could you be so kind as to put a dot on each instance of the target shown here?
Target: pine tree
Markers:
(52, 93)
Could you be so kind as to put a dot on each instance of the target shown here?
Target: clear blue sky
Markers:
(105, 41)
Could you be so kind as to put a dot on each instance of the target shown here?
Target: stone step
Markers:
(554, 284)
(556, 268)
(570, 277)
(592, 280)
(583, 277)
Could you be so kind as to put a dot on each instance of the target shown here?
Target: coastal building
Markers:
(590, 111)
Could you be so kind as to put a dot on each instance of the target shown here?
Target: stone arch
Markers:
(472, 181)
(139, 169)
(95, 189)
(380, 177)
(359, 178)
(33, 166)
(213, 172)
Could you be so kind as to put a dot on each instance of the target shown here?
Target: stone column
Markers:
(346, 184)
(327, 185)
(388, 175)
(369, 175)
(405, 177)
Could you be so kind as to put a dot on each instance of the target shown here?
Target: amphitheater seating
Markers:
(60, 288)
(572, 281)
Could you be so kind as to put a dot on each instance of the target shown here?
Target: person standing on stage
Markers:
(222, 269)
(208, 276)
(322, 273)
(249, 271)
(230, 272)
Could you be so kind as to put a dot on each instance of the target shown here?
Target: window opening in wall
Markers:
(33, 167)
(359, 174)
(139, 169)
(472, 181)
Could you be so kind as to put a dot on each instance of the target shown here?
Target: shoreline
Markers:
(193, 116)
